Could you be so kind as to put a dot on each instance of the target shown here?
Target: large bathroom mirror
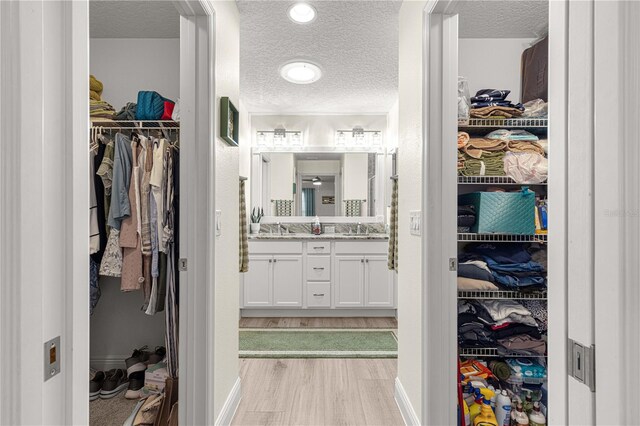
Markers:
(330, 185)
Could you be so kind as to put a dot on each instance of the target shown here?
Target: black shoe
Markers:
(95, 385)
(115, 383)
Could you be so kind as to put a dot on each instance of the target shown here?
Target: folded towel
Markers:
(495, 112)
(500, 369)
(490, 164)
(96, 87)
(477, 147)
(525, 146)
(463, 138)
(512, 135)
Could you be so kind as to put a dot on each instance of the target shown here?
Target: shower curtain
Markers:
(309, 201)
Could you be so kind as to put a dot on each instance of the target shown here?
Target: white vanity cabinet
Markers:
(362, 278)
(275, 275)
(323, 276)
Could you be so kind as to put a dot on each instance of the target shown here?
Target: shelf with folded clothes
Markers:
(493, 352)
(501, 294)
(133, 124)
(493, 180)
(507, 238)
(508, 123)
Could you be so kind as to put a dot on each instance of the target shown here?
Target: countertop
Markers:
(266, 236)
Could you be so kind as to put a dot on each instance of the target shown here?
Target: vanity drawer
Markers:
(275, 247)
(362, 247)
(319, 268)
(318, 295)
(319, 247)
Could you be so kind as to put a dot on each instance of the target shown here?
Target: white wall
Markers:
(319, 130)
(356, 169)
(409, 198)
(227, 280)
(490, 63)
(126, 66)
(317, 167)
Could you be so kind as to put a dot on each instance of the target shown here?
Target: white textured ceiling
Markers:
(354, 42)
(503, 19)
(133, 19)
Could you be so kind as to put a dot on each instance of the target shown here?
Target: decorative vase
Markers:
(255, 228)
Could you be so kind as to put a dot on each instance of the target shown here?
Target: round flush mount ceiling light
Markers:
(300, 72)
(302, 13)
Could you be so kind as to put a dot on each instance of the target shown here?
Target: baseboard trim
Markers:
(108, 362)
(230, 405)
(278, 313)
(406, 409)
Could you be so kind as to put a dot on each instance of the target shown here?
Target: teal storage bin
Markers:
(503, 212)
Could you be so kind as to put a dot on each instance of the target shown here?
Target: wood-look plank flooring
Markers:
(318, 391)
(314, 322)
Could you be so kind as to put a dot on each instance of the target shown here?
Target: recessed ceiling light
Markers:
(302, 13)
(300, 72)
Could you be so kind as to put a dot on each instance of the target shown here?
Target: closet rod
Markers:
(133, 128)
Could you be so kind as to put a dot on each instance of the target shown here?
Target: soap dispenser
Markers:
(316, 229)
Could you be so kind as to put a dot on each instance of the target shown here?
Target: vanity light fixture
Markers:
(300, 72)
(302, 13)
(358, 137)
(279, 138)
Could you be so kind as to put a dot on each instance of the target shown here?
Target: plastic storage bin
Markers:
(502, 212)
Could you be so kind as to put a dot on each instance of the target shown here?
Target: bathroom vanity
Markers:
(326, 275)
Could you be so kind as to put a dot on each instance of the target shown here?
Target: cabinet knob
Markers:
(361, 260)
(366, 260)
(270, 260)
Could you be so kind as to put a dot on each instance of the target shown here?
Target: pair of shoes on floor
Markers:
(137, 365)
(106, 385)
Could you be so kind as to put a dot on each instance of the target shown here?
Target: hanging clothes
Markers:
(132, 276)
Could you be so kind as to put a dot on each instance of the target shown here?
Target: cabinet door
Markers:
(287, 280)
(257, 282)
(378, 289)
(349, 281)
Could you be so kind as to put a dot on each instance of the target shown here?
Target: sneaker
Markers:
(157, 356)
(95, 385)
(115, 383)
(136, 366)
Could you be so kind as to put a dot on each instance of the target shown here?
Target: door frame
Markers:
(439, 186)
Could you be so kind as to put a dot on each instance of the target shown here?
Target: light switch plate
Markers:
(51, 358)
(218, 223)
(415, 221)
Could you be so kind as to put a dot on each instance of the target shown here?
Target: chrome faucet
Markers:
(359, 228)
(281, 228)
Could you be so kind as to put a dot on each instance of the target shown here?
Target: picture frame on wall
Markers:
(229, 121)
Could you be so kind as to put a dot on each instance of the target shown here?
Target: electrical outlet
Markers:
(218, 223)
(415, 222)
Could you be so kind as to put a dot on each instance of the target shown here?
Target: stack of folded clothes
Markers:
(505, 324)
(510, 265)
(97, 107)
(466, 218)
(492, 103)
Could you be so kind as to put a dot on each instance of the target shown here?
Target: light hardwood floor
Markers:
(314, 322)
(318, 391)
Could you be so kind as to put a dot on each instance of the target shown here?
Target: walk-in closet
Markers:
(134, 146)
(503, 175)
